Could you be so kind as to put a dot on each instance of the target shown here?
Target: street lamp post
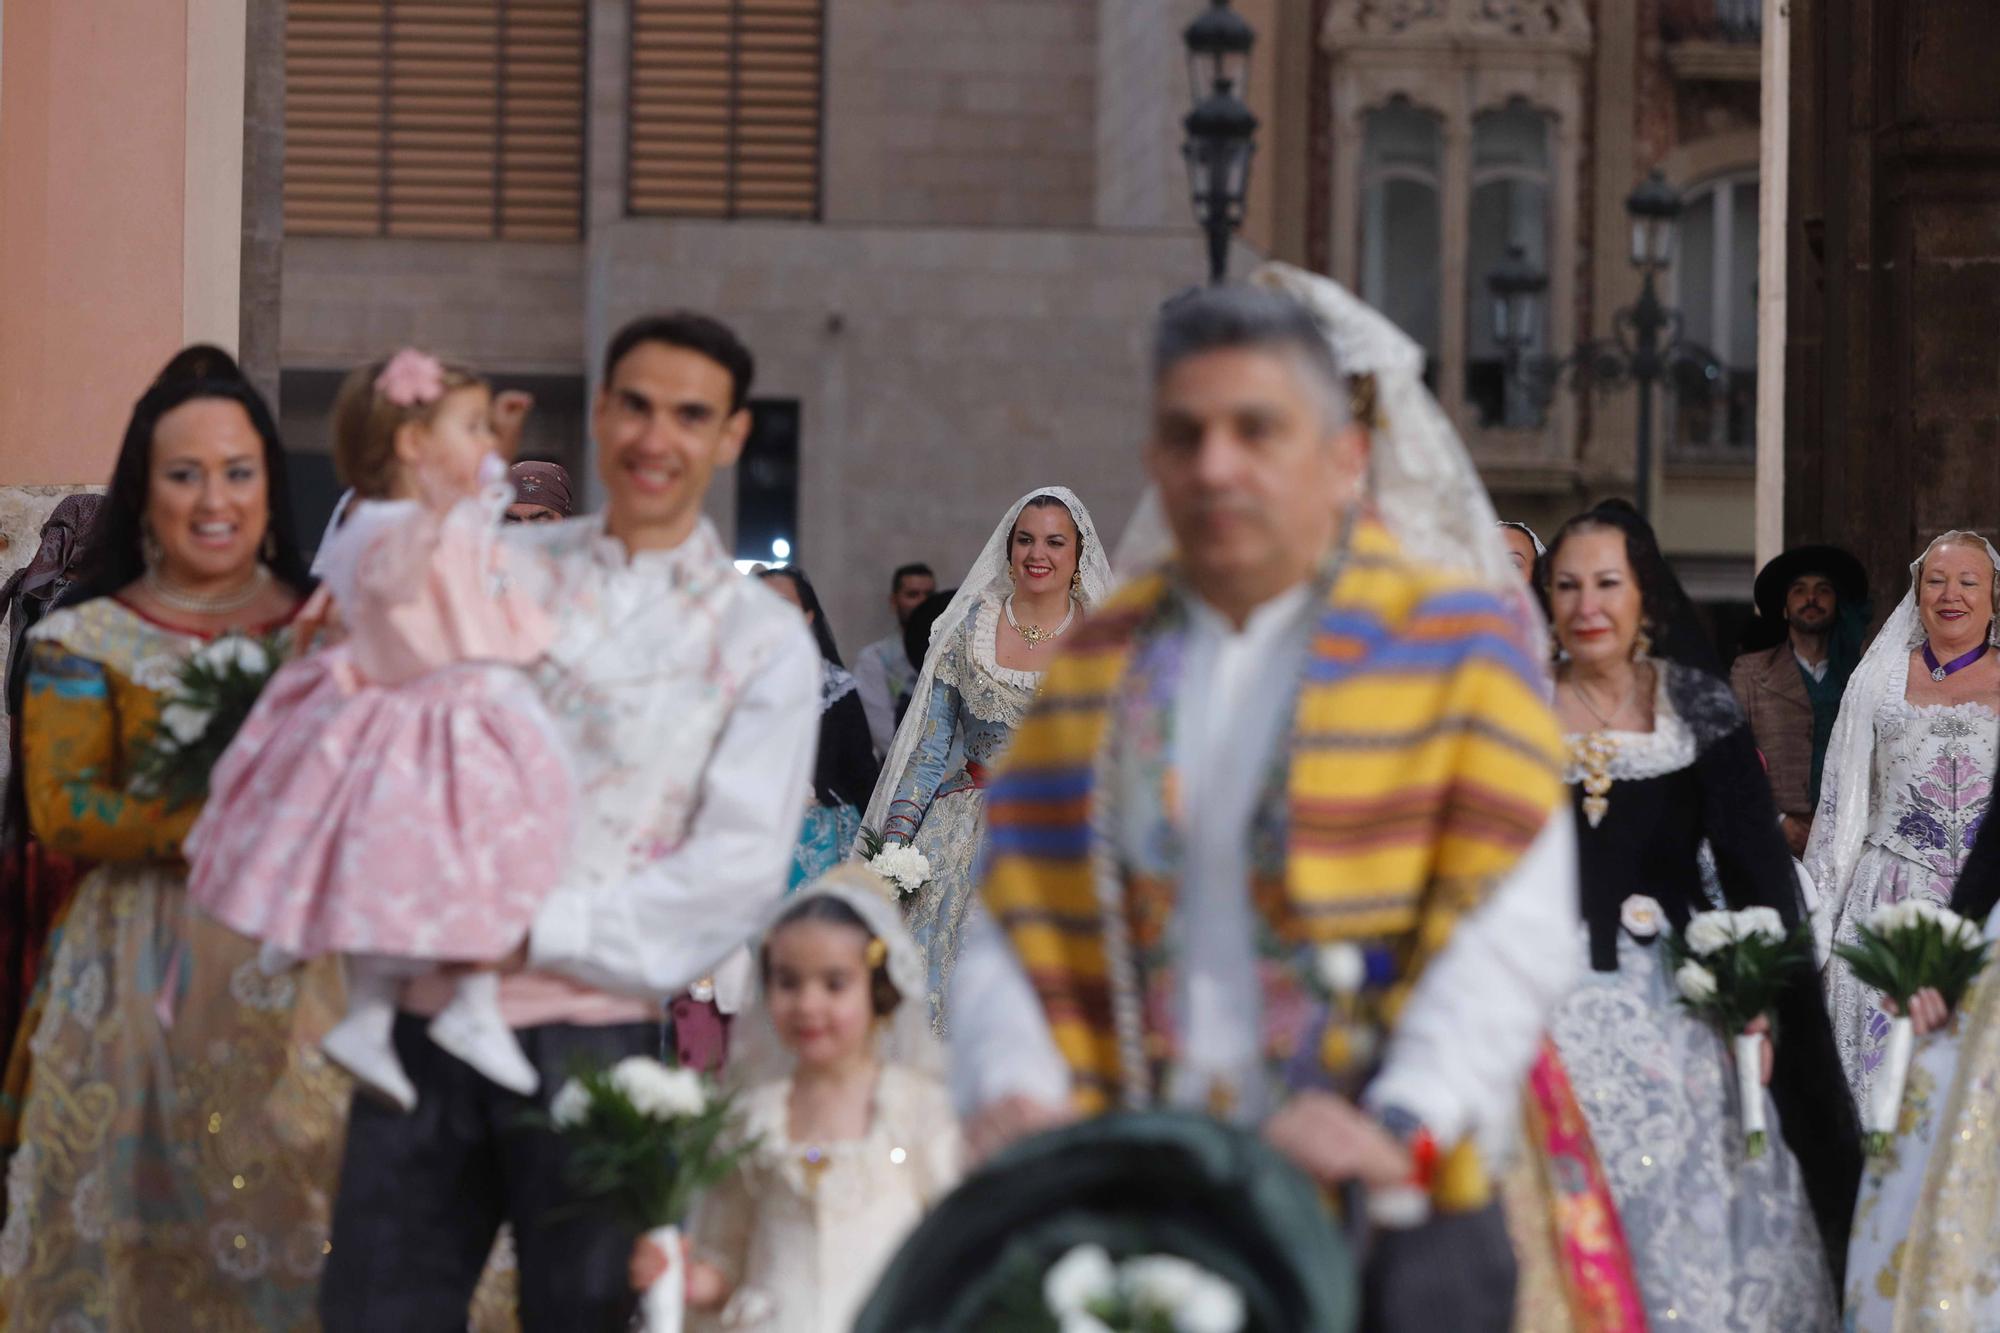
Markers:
(1646, 342)
(1221, 129)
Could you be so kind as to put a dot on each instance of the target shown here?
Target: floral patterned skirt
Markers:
(180, 1132)
(1719, 1242)
(1925, 1253)
(1881, 878)
(949, 840)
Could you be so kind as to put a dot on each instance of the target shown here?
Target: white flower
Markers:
(253, 990)
(1214, 1307)
(1763, 921)
(16, 1239)
(1078, 1278)
(1342, 967)
(1641, 917)
(238, 1251)
(183, 723)
(1966, 935)
(1706, 932)
(1696, 982)
(903, 866)
(1196, 1300)
(89, 1207)
(86, 996)
(1160, 1282)
(1083, 1322)
(656, 1091)
(247, 655)
(571, 1106)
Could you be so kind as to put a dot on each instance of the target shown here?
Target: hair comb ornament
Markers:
(411, 379)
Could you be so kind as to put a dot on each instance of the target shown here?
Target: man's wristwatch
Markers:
(1416, 1138)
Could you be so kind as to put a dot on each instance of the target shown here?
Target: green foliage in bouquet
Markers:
(646, 1138)
(212, 697)
(871, 843)
(1730, 967)
(1912, 945)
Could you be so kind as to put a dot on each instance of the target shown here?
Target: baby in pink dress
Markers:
(402, 798)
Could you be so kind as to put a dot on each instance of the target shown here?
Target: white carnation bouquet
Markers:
(1904, 948)
(648, 1138)
(212, 697)
(1085, 1291)
(1729, 968)
(905, 868)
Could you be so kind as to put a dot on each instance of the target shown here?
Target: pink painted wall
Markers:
(92, 161)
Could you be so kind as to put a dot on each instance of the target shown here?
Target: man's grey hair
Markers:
(1236, 315)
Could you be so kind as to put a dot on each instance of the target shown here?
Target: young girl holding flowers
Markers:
(841, 1090)
(402, 798)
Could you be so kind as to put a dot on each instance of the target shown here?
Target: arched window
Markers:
(1714, 284)
(1401, 216)
(1510, 207)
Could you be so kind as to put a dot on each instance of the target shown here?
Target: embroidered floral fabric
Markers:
(1719, 1243)
(1933, 783)
(184, 1168)
(975, 704)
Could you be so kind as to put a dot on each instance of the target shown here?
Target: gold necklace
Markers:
(205, 604)
(1594, 752)
(1035, 634)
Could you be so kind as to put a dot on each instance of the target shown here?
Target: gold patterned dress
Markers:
(180, 1132)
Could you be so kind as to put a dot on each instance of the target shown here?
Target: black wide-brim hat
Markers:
(1152, 1182)
(1850, 580)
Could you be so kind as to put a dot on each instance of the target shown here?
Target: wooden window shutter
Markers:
(435, 118)
(725, 107)
(336, 72)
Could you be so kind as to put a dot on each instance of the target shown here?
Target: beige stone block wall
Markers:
(940, 373)
(498, 305)
(977, 112)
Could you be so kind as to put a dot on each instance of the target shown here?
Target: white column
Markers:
(212, 201)
(1774, 172)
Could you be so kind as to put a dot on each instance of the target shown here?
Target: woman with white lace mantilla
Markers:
(1661, 760)
(1041, 571)
(1909, 771)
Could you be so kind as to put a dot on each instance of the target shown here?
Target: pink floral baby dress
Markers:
(404, 792)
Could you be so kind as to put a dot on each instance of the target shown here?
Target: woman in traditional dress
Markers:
(178, 1142)
(1926, 1245)
(1909, 771)
(845, 771)
(1926, 1242)
(1043, 568)
(1661, 760)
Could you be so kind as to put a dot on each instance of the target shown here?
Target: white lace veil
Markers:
(1421, 481)
(988, 573)
(904, 1038)
(1847, 779)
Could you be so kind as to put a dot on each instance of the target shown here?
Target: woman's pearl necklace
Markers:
(1035, 634)
(205, 604)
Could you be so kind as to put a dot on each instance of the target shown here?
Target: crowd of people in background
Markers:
(1324, 806)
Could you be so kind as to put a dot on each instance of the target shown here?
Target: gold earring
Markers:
(270, 546)
(149, 547)
(1076, 583)
(877, 952)
(1642, 644)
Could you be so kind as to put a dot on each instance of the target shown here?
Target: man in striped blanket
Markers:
(1285, 837)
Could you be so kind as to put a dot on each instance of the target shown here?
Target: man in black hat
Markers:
(1818, 594)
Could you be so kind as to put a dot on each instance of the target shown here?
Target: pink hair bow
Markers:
(411, 379)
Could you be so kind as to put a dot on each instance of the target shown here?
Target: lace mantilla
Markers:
(835, 684)
(1669, 747)
(993, 693)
